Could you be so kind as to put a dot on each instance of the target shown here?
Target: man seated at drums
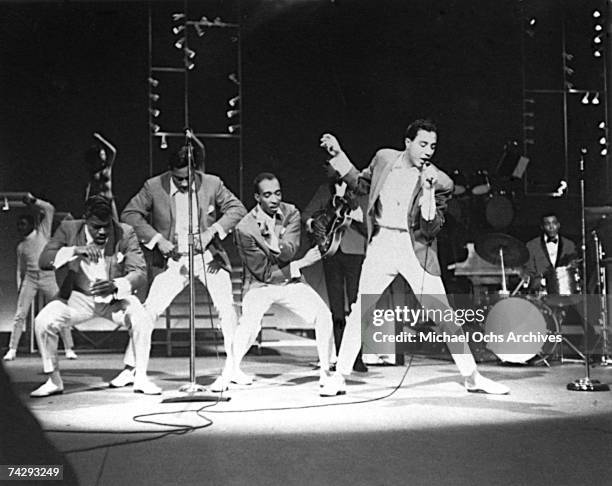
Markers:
(548, 251)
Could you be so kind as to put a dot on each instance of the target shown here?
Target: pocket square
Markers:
(211, 209)
(120, 257)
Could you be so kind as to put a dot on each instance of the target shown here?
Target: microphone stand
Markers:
(585, 384)
(193, 392)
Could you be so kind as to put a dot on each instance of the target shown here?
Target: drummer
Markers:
(549, 250)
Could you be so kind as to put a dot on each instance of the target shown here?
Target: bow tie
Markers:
(552, 239)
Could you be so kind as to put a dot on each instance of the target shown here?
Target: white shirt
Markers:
(553, 250)
(181, 227)
(396, 194)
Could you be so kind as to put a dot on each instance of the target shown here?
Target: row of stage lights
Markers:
(188, 61)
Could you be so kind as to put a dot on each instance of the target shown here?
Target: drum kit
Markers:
(517, 314)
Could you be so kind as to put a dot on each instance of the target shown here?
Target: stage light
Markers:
(233, 113)
(5, 206)
(198, 30)
(597, 53)
(602, 125)
(234, 79)
(598, 28)
(176, 30)
(585, 99)
(602, 141)
(154, 96)
(596, 14)
(233, 128)
(532, 21)
(597, 40)
(189, 53)
(163, 144)
(154, 112)
(178, 16)
(180, 43)
(154, 127)
(189, 65)
(153, 82)
(234, 101)
(595, 99)
(604, 151)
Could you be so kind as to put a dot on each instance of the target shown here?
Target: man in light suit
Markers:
(549, 250)
(98, 263)
(215, 210)
(268, 239)
(343, 268)
(406, 204)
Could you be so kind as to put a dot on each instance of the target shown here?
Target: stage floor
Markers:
(279, 431)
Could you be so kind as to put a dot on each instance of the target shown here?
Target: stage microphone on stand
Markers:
(585, 384)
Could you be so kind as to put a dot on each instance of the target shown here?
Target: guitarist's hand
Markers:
(331, 144)
(318, 229)
(165, 247)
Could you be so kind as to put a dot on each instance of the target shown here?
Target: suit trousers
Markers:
(80, 307)
(298, 297)
(30, 286)
(391, 253)
(168, 284)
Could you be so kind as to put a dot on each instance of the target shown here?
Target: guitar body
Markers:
(335, 218)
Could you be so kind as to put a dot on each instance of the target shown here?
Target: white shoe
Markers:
(10, 355)
(70, 354)
(147, 387)
(332, 386)
(241, 378)
(125, 378)
(47, 389)
(221, 384)
(479, 384)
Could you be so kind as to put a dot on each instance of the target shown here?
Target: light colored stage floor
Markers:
(279, 431)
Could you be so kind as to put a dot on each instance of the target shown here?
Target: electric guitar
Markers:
(334, 218)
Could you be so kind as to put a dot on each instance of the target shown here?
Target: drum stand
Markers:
(605, 359)
(585, 384)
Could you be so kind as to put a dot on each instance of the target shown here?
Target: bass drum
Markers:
(518, 329)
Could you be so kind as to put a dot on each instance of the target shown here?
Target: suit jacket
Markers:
(422, 232)
(263, 266)
(122, 253)
(217, 204)
(353, 240)
(539, 261)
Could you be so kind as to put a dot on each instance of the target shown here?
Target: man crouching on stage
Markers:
(98, 263)
(268, 238)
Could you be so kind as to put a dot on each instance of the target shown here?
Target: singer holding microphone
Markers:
(407, 197)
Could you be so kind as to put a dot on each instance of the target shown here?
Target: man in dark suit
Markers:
(343, 268)
(98, 262)
(216, 211)
(268, 239)
(549, 250)
(407, 198)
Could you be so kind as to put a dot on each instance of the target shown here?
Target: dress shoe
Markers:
(10, 355)
(360, 367)
(332, 386)
(70, 354)
(47, 389)
(221, 384)
(147, 387)
(241, 378)
(479, 384)
(125, 378)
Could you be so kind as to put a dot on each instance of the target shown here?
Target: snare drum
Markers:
(563, 285)
(520, 328)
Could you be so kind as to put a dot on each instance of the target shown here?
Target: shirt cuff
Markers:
(341, 164)
(63, 256)
(220, 231)
(308, 225)
(428, 205)
(124, 288)
(295, 269)
(153, 241)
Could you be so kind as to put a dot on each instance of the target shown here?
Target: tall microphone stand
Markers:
(585, 384)
(192, 391)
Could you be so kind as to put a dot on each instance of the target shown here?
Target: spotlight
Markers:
(189, 53)
(585, 99)
(597, 53)
(602, 125)
(154, 96)
(596, 14)
(178, 16)
(233, 128)
(153, 82)
(597, 40)
(163, 144)
(595, 99)
(180, 43)
(189, 65)
(154, 127)
(176, 30)
(234, 101)
(154, 112)
(234, 79)
(604, 151)
(5, 206)
(532, 21)
(598, 28)
(198, 30)
(602, 141)
(233, 113)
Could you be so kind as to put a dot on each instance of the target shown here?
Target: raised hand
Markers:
(88, 252)
(331, 144)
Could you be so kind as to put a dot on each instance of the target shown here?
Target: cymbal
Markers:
(598, 210)
(515, 252)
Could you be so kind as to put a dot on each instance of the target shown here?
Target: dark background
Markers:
(360, 69)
